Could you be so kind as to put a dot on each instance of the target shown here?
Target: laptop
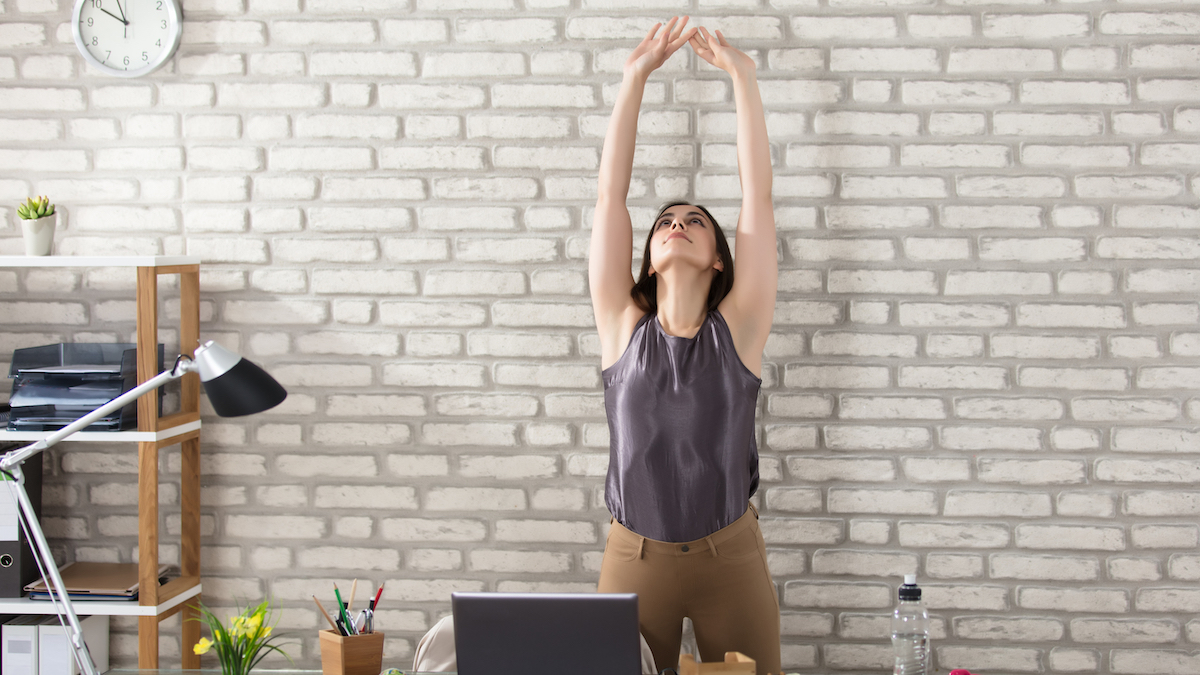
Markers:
(546, 633)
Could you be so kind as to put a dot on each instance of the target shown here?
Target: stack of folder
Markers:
(90, 581)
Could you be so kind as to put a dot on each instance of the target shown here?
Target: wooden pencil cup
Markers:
(351, 654)
(736, 663)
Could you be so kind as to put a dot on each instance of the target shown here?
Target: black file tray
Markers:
(54, 385)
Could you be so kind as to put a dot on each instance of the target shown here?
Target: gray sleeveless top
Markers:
(683, 461)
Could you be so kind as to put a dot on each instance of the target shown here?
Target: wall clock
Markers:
(127, 38)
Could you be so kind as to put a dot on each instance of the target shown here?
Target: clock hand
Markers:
(124, 19)
(114, 16)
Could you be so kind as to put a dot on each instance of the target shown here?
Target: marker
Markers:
(376, 600)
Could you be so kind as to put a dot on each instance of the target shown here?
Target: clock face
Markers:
(127, 38)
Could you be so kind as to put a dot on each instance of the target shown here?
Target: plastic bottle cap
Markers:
(910, 580)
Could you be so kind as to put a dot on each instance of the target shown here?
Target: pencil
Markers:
(326, 614)
(353, 591)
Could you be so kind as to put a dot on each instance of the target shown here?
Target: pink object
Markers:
(960, 671)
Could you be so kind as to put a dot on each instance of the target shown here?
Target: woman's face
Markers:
(684, 235)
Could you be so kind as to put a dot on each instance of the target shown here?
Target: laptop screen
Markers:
(546, 633)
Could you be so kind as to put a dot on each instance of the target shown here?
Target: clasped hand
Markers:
(655, 49)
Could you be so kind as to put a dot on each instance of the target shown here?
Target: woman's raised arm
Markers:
(750, 306)
(611, 251)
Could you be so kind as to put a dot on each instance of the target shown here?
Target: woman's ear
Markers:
(650, 271)
(719, 265)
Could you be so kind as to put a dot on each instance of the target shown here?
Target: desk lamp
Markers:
(235, 387)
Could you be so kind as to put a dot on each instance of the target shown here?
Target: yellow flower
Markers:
(202, 646)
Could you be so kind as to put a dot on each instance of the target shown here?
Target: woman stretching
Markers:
(680, 348)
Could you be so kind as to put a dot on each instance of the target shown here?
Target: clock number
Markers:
(164, 23)
(90, 21)
(95, 40)
(159, 6)
(125, 60)
(158, 42)
(145, 56)
(97, 4)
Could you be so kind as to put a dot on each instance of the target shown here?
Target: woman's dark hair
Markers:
(645, 290)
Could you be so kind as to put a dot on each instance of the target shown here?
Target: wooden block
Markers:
(735, 663)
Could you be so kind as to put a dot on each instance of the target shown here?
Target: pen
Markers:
(376, 600)
(326, 614)
(341, 608)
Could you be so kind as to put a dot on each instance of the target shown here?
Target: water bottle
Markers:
(910, 631)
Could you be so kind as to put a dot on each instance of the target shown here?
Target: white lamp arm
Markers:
(54, 582)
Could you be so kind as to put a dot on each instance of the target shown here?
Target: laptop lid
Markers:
(546, 633)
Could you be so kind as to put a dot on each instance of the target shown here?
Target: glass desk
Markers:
(217, 671)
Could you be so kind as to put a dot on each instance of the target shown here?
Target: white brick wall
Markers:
(985, 348)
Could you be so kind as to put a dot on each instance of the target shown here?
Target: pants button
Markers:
(684, 548)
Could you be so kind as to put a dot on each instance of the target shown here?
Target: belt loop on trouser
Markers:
(641, 546)
(711, 546)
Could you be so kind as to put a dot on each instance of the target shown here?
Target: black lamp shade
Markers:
(244, 389)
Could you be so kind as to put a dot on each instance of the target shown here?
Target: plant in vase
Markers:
(244, 642)
(38, 219)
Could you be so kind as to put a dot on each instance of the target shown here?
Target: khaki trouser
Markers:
(721, 582)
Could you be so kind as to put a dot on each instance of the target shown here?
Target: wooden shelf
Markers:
(104, 607)
(106, 436)
(97, 261)
(154, 432)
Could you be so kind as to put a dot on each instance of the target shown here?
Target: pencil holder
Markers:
(351, 655)
(735, 663)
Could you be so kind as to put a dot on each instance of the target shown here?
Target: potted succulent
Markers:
(37, 225)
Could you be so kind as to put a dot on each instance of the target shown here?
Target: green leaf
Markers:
(35, 207)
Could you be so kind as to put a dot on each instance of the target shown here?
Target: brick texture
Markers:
(984, 361)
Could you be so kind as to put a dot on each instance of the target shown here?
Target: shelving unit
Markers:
(155, 432)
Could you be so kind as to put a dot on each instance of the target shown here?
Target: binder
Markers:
(17, 564)
(19, 645)
(54, 648)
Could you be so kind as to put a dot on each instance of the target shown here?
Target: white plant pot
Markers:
(39, 234)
